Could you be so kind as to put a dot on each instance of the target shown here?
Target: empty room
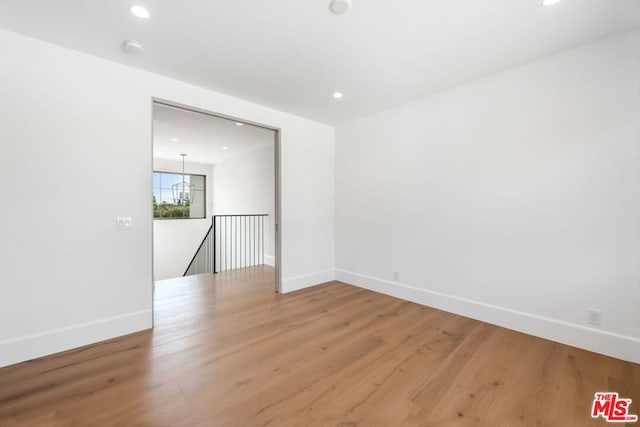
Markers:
(320, 213)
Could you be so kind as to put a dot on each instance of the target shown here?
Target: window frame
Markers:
(204, 191)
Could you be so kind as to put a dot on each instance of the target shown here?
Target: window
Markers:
(175, 198)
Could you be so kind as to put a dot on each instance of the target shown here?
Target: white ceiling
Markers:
(203, 137)
(293, 54)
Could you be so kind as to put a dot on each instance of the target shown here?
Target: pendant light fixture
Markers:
(183, 191)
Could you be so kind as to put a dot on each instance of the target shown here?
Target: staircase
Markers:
(232, 241)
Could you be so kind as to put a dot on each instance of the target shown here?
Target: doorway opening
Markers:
(215, 196)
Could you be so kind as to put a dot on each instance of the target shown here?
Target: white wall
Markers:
(70, 119)
(245, 184)
(513, 199)
(175, 241)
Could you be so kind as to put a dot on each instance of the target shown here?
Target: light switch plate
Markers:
(123, 223)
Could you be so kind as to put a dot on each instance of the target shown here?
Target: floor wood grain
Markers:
(228, 351)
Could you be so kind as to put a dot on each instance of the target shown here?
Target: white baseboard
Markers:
(306, 280)
(608, 343)
(270, 260)
(29, 347)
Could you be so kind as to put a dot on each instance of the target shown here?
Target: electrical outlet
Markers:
(396, 276)
(593, 317)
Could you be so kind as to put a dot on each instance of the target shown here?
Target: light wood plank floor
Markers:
(228, 351)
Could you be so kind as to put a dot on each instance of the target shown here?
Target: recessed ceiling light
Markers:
(201, 159)
(225, 148)
(140, 11)
(340, 6)
(337, 95)
(133, 47)
(549, 2)
(174, 140)
(239, 124)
